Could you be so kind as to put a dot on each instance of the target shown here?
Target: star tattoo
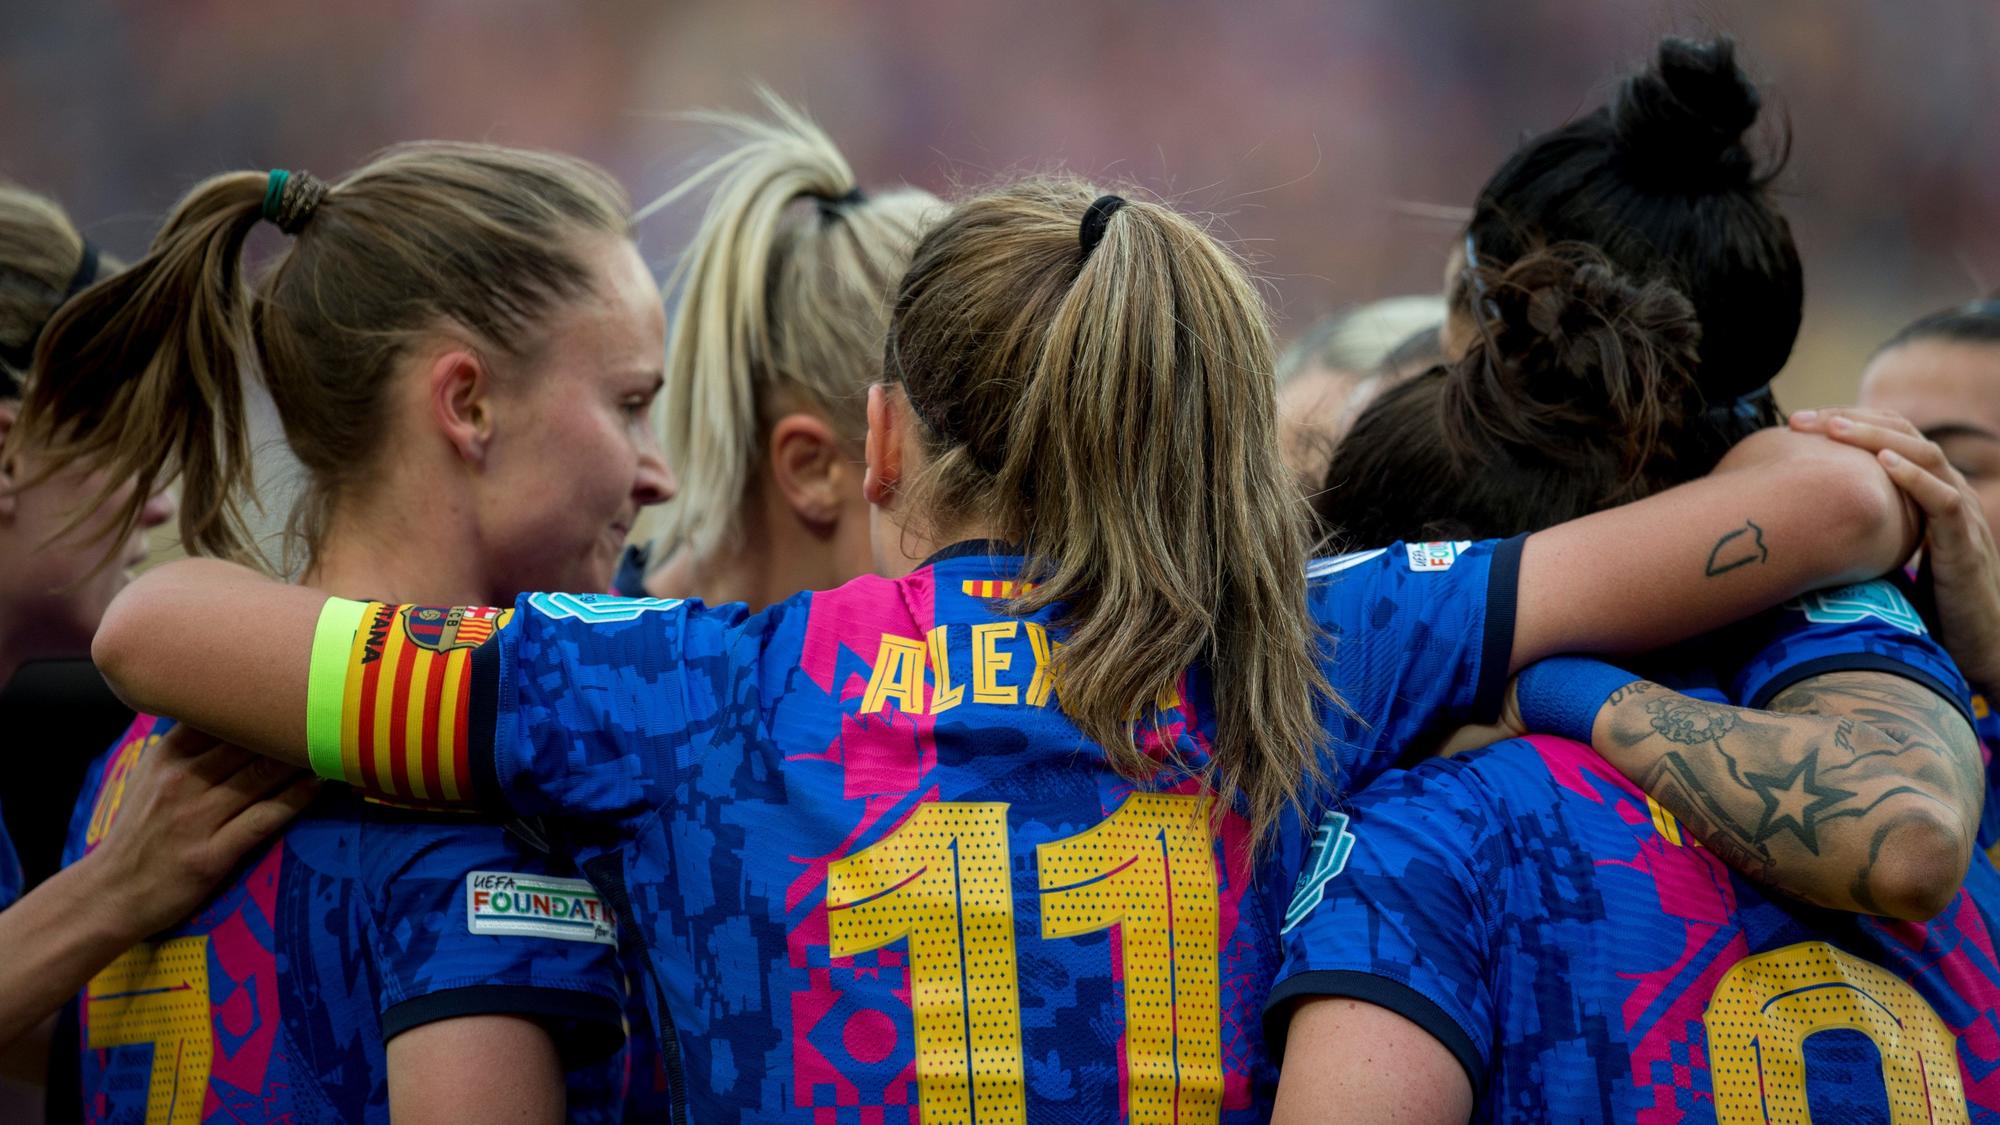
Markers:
(1794, 802)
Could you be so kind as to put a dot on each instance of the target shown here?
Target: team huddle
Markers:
(1031, 697)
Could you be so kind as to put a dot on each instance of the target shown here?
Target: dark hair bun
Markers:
(1679, 125)
(1574, 356)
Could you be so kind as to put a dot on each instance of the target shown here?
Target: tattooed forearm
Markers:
(1690, 722)
(1738, 548)
(1810, 796)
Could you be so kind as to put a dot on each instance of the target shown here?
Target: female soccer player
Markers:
(1575, 390)
(1665, 182)
(1940, 373)
(783, 303)
(462, 344)
(979, 833)
(196, 807)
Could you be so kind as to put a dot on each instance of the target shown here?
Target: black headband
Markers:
(86, 272)
(22, 357)
(1094, 220)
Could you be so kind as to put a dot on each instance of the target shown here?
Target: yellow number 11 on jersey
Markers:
(941, 883)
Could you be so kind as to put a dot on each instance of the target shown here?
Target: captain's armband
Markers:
(389, 704)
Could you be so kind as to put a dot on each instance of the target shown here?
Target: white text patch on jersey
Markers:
(1435, 556)
(512, 904)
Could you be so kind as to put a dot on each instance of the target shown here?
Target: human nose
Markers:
(654, 483)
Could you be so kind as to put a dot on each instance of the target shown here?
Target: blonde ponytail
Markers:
(772, 298)
(1112, 408)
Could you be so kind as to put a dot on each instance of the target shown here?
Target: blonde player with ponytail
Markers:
(781, 302)
(979, 834)
(462, 345)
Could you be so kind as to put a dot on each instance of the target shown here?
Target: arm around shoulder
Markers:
(218, 646)
(1782, 515)
(1869, 526)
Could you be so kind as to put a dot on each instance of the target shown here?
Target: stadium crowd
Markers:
(937, 659)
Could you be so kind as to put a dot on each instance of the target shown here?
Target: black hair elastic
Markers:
(1092, 231)
(830, 207)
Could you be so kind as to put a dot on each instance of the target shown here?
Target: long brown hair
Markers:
(773, 297)
(142, 376)
(1112, 409)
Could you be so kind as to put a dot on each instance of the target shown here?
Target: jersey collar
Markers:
(991, 548)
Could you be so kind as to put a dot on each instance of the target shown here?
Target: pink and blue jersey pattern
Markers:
(274, 1000)
(1987, 725)
(1556, 929)
(1865, 627)
(881, 878)
(1586, 960)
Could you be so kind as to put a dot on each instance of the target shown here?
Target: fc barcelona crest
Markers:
(445, 629)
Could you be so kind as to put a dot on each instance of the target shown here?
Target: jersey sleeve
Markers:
(11, 879)
(1390, 908)
(1421, 636)
(573, 704)
(471, 917)
(1865, 627)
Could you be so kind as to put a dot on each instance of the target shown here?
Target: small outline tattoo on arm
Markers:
(1741, 554)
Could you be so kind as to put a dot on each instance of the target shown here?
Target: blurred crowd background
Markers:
(1334, 139)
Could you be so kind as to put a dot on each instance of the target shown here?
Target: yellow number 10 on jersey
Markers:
(941, 883)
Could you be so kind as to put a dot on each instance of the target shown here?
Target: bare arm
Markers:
(1784, 514)
(216, 645)
(1864, 795)
(1348, 1060)
(192, 809)
(475, 1068)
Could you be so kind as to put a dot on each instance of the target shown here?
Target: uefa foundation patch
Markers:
(507, 904)
(1435, 556)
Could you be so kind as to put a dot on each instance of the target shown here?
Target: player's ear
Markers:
(459, 389)
(888, 429)
(9, 467)
(809, 468)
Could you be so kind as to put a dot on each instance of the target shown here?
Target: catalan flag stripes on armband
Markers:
(389, 699)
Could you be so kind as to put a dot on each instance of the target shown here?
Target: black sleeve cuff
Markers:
(1503, 588)
(1857, 662)
(1383, 993)
(586, 1026)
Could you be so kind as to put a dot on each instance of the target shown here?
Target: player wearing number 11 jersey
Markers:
(975, 842)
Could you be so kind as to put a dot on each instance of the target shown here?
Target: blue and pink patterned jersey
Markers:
(1586, 960)
(274, 1000)
(879, 874)
(1987, 725)
(1863, 627)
